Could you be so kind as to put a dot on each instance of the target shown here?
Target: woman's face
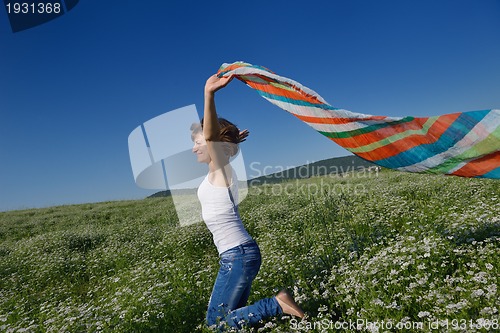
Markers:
(200, 148)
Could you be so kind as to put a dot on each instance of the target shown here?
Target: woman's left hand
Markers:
(243, 135)
(215, 83)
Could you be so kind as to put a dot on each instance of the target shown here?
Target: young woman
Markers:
(215, 141)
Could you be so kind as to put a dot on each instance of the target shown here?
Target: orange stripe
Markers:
(399, 146)
(480, 166)
(335, 121)
(377, 135)
(296, 94)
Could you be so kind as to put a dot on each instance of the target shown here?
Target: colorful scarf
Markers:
(465, 144)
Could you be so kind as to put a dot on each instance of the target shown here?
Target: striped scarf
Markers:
(465, 144)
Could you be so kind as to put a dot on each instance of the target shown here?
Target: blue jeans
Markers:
(238, 268)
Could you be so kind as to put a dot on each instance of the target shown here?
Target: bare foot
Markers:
(288, 305)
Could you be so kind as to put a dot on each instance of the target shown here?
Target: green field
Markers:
(388, 251)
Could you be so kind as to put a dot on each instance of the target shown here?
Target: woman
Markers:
(215, 141)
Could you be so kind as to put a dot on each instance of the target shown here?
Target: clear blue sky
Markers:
(72, 90)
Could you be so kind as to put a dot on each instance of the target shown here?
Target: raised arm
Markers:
(219, 174)
(211, 129)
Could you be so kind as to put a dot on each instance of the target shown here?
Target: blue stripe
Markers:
(455, 132)
(495, 174)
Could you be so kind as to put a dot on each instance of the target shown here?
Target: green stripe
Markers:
(253, 78)
(367, 129)
(480, 149)
(396, 137)
(281, 86)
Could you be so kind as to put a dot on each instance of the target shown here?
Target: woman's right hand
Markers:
(215, 83)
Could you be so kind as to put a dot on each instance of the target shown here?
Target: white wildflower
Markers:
(478, 293)
(423, 314)
(323, 308)
(488, 311)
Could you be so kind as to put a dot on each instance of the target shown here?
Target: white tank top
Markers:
(220, 213)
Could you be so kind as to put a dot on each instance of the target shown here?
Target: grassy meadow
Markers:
(386, 252)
